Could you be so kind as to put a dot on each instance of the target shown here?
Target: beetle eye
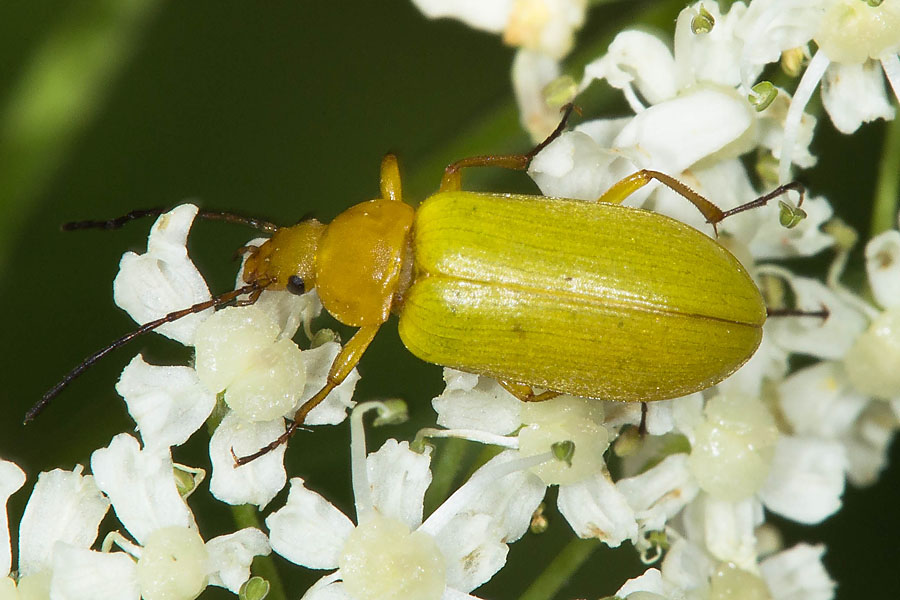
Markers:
(295, 285)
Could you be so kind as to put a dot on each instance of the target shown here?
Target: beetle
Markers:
(593, 299)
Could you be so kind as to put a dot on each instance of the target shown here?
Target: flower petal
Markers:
(595, 508)
(675, 134)
(636, 57)
(81, 574)
(471, 543)
(163, 280)
(168, 403)
(470, 401)
(883, 267)
(512, 500)
(230, 556)
(141, 486)
(798, 574)
(398, 478)
(333, 409)
(820, 401)
(308, 530)
(256, 482)
(64, 506)
(726, 529)
(807, 479)
(661, 492)
(854, 94)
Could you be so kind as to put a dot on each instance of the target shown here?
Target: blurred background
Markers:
(276, 110)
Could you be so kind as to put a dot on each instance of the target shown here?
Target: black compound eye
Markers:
(295, 285)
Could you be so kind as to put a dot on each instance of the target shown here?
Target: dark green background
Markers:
(275, 110)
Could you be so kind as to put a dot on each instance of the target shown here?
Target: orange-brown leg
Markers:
(525, 393)
(452, 179)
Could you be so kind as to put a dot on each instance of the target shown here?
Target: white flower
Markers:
(64, 510)
(169, 558)
(478, 408)
(857, 42)
(245, 352)
(391, 552)
(545, 25)
(163, 280)
(688, 572)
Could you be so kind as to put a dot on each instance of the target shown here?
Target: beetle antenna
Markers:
(210, 215)
(251, 288)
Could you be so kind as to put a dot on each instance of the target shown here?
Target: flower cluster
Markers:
(688, 482)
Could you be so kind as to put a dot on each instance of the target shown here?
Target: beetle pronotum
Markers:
(591, 299)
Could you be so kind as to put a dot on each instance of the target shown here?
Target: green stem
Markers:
(557, 573)
(57, 96)
(887, 187)
(246, 515)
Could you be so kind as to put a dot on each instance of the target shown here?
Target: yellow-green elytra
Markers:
(590, 299)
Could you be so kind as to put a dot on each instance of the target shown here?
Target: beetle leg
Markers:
(343, 364)
(714, 215)
(642, 428)
(525, 393)
(452, 179)
(390, 178)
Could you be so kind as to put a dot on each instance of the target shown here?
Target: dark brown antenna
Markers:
(251, 288)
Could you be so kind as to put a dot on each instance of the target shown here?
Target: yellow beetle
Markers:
(590, 299)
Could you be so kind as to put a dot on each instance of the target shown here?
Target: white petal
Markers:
(333, 409)
(650, 582)
(256, 482)
(531, 72)
(687, 566)
(712, 57)
(230, 556)
(798, 574)
(639, 58)
(867, 444)
(328, 588)
(308, 530)
(11, 479)
(472, 545)
(512, 500)
(772, 240)
(854, 94)
(64, 506)
(769, 362)
(149, 286)
(487, 16)
(807, 479)
(544, 25)
(398, 478)
(660, 492)
(574, 166)
(470, 401)
(167, 403)
(772, 26)
(883, 267)
(289, 311)
(820, 401)
(595, 508)
(726, 529)
(141, 486)
(675, 134)
(81, 574)
(828, 339)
